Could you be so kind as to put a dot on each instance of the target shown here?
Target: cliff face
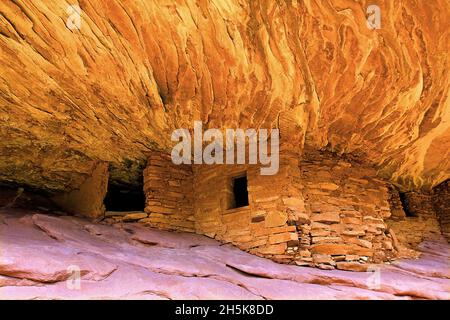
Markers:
(135, 70)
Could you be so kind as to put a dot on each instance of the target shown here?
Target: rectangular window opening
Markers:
(239, 192)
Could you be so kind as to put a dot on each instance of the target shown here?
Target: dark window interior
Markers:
(240, 193)
(405, 204)
(124, 198)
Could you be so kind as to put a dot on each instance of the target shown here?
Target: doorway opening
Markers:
(124, 198)
(405, 205)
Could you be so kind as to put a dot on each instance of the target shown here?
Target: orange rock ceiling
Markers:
(136, 70)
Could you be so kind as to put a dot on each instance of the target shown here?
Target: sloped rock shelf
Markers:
(127, 260)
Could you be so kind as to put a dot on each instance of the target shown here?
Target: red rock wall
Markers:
(87, 200)
(169, 194)
(441, 202)
(70, 96)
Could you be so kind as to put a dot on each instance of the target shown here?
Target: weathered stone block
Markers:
(275, 219)
(326, 217)
(282, 237)
(352, 266)
(341, 249)
(135, 216)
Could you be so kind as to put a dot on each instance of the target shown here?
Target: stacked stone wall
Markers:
(441, 202)
(168, 190)
(346, 206)
(418, 223)
(267, 226)
(323, 210)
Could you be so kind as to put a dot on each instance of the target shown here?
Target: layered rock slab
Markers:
(120, 262)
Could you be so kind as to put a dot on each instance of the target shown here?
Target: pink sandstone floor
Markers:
(38, 253)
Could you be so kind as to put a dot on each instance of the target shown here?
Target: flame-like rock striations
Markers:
(116, 83)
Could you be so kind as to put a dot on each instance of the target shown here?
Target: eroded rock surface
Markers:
(136, 70)
(39, 252)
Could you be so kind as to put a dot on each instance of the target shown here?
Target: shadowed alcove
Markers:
(124, 198)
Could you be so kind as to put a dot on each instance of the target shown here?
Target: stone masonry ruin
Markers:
(319, 210)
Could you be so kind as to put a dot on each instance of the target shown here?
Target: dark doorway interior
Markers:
(240, 192)
(405, 204)
(124, 198)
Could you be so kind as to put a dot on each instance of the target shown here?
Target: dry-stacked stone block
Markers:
(346, 206)
(168, 190)
(395, 204)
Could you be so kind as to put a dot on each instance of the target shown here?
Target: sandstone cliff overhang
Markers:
(115, 88)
